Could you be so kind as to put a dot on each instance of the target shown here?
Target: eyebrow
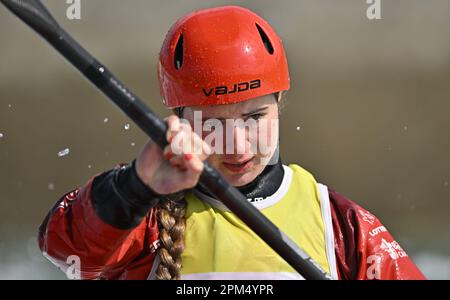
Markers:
(255, 111)
(258, 110)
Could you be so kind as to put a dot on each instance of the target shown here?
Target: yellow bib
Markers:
(218, 245)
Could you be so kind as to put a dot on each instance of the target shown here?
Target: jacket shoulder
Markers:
(364, 248)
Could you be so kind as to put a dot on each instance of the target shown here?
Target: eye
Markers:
(256, 116)
(212, 123)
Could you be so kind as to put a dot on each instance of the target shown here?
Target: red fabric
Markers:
(73, 228)
(105, 252)
(364, 248)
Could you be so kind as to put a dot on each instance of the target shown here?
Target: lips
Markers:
(239, 166)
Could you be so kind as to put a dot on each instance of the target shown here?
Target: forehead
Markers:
(231, 110)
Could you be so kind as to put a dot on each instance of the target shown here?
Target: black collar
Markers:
(264, 185)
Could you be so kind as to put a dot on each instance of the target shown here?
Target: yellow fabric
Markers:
(217, 241)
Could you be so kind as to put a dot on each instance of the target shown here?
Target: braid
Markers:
(171, 223)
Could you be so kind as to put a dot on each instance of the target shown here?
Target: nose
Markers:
(237, 140)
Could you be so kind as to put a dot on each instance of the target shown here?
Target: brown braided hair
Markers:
(172, 224)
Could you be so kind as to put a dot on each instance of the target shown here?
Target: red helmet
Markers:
(219, 56)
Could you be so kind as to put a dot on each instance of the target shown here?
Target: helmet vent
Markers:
(178, 59)
(265, 39)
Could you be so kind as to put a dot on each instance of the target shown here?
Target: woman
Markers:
(149, 219)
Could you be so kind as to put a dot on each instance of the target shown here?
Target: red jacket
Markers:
(364, 248)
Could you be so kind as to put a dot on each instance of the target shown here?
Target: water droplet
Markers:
(405, 128)
(9, 105)
(1, 135)
(51, 186)
(89, 166)
(446, 183)
(63, 152)
(127, 126)
(133, 144)
(105, 120)
(298, 128)
(101, 69)
(399, 196)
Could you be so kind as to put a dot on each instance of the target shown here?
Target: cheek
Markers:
(267, 135)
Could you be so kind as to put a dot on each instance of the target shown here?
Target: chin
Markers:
(238, 180)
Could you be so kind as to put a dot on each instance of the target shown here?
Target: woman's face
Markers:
(243, 136)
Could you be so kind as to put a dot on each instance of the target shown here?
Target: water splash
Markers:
(63, 152)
